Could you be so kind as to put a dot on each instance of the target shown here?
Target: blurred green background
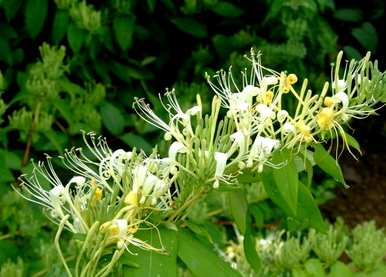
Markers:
(69, 65)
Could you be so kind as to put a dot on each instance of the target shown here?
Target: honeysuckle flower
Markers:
(176, 147)
(221, 161)
(288, 128)
(342, 97)
(261, 150)
(240, 141)
(265, 112)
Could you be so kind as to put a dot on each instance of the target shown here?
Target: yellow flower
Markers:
(132, 198)
(328, 101)
(325, 118)
(267, 97)
(304, 130)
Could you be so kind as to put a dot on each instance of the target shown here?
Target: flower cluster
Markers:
(257, 122)
(110, 196)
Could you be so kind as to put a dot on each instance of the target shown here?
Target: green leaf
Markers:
(35, 15)
(75, 37)
(238, 207)
(274, 194)
(151, 263)
(191, 26)
(200, 259)
(11, 160)
(60, 26)
(351, 141)
(5, 51)
(328, 164)
(257, 213)
(308, 211)
(151, 5)
(136, 141)
(350, 15)
(250, 247)
(11, 7)
(226, 9)
(123, 29)
(5, 174)
(314, 268)
(352, 53)
(286, 178)
(124, 72)
(339, 269)
(367, 36)
(112, 118)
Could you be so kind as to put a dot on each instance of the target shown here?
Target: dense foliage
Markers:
(69, 65)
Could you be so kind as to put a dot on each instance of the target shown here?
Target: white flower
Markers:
(342, 97)
(239, 139)
(194, 110)
(221, 161)
(265, 112)
(176, 147)
(340, 86)
(57, 192)
(288, 128)
(250, 90)
(261, 149)
(120, 227)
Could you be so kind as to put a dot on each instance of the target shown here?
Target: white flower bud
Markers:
(270, 80)
(239, 138)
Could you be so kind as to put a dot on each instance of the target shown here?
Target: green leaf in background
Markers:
(11, 7)
(112, 118)
(250, 247)
(286, 178)
(5, 51)
(123, 29)
(151, 5)
(226, 9)
(238, 207)
(11, 160)
(350, 15)
(314, 268)
(339, 269)
(150, 263)
(328, 164)
(367, 36)
(191, 26)
(200, 259)
(60, 25)
(75, 37)
(5, 174)
(351, 52)
(35, 15)
(136, 141)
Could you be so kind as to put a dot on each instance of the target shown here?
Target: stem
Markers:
(107, 269)
(189, 202)
(57, 245)
(30, 135)
(86, 242)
